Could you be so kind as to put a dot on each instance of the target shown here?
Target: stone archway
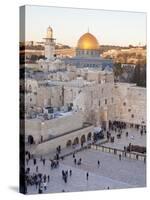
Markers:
(83, 139)
(69, 143)
(89, 136)
(76, 141)
(30, 139)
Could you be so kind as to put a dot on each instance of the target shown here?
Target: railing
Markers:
(131, 155)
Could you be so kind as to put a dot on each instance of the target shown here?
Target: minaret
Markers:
(49, 44)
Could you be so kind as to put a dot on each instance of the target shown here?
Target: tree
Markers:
(117, 69)
(34, 58)
(139, 76)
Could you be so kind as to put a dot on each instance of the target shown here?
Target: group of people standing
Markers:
(65, 175)
(39, 180)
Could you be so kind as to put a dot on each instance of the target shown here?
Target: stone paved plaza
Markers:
(134, 138)
(111, 173)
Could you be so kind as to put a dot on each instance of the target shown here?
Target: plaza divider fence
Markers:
(131, 155)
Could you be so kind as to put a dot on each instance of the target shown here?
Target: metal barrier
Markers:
(131, 155)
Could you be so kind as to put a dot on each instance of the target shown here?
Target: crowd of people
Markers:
(40, 180)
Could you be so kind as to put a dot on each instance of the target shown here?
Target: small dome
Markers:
(88, 41)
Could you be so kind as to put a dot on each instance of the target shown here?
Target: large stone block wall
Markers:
(130, 103)
(49, 96)
(64, 124)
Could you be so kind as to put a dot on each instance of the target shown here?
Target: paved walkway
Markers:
(112, 173)
(134, 137)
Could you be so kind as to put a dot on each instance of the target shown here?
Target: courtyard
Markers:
(134, 137)
(112, 173)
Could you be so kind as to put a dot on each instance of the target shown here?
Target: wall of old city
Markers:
(51, 145)
(130, 103)
(49, 96)
(53, 127)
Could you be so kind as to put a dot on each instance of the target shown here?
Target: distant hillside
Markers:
(104, 48)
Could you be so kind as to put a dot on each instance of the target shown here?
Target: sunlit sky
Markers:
(109, 27)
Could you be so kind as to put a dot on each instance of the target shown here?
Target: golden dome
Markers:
(88, 41)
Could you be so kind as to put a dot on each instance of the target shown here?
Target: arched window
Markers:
(82, 140)
(76, 141)
(68, 144)
(89, 136)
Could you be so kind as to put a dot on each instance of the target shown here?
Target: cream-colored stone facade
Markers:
(51, 128)
(64, 103)
(49, 96)
(130, 103)
(64, 131)
(63, 141)
(93, 93)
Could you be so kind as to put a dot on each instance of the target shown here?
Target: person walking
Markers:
(44, 161)
(40, 189)
(36, 184)
(63, 173)
(66, 173)
(119, 156)
(37, 169)
(34, 161)
(87, 176)
(48, 178)
(45, 185)
(70, 172)
(98, 163)
(44, 177)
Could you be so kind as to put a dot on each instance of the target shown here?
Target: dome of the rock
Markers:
(88, 41)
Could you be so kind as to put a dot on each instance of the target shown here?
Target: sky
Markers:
(69, 24)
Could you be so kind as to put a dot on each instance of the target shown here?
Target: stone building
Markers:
(88, 54)
(65, 129)
(77, 100)
(130, 105)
